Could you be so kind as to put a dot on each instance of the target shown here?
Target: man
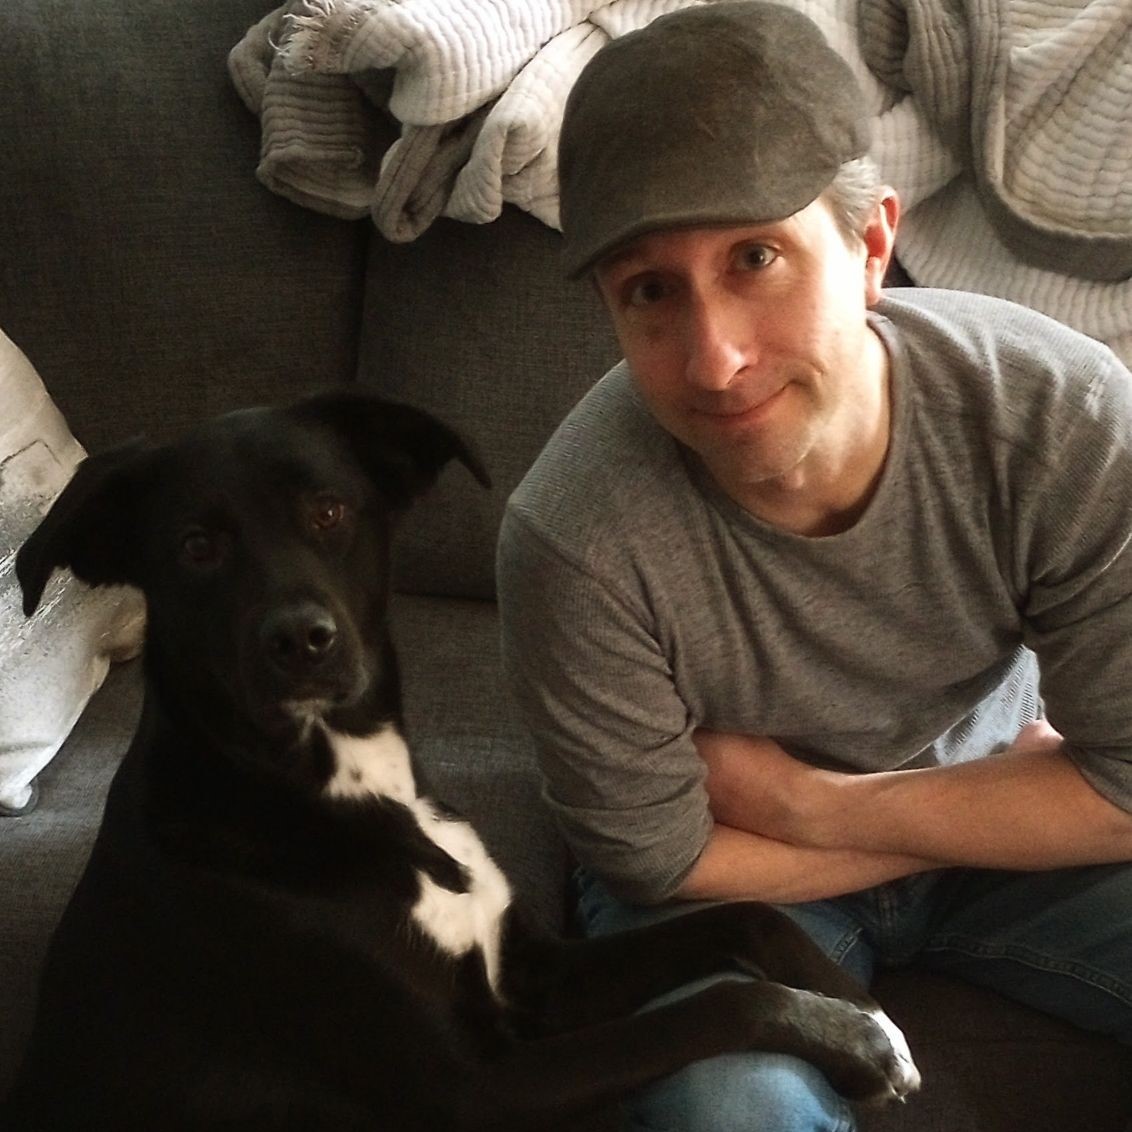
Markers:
(778, 594)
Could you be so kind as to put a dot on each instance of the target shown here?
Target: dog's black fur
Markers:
(248, 947)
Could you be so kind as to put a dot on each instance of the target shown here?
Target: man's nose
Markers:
(718, 343)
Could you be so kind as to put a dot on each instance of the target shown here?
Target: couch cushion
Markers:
(43, 854)
(473, 750)
(149, 275)
(476, 324)
(976, 1048)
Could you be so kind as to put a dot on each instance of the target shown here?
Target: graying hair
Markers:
(853, 195)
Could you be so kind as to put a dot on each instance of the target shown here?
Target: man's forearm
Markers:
(1018, 810)
(1027, 808)
(737, 865)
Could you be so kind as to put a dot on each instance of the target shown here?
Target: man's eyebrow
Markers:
(619, 256)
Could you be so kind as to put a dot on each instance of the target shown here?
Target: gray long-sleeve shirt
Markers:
(640, 602)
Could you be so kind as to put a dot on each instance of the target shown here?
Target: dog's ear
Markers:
(91, 527)
(401, 448)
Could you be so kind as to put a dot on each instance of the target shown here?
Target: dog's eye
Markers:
(327, 512)
(199, 548)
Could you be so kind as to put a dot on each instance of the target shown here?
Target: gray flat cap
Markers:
(730, 113)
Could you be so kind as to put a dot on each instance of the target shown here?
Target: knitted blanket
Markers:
(1034, 99)
(1004, 124)
(478, 88)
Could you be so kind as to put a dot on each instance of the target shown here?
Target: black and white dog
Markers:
(278, 927)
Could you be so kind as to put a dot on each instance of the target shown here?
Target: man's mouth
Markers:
(730, 415)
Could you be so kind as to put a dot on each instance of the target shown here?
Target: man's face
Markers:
(750, 344)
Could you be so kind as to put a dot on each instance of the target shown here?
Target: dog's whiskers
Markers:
(309, 714)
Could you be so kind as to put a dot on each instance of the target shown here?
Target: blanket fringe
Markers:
(315, 33)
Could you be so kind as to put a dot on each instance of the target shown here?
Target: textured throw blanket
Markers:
(1006, 125)
(478, 88)
(1035, 100)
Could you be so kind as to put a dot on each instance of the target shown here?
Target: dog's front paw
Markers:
(903, 1076)
(867, 1056)
(906, 1077)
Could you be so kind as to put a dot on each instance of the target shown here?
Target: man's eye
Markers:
(756, 256)
(645, 292)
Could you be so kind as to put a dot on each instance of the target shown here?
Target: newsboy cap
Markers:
(730, 113)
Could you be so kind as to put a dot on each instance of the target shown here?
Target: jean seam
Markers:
(847, 1122)
(1036, 960)
(845, 945)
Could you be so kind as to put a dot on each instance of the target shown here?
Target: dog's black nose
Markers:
(298, 638)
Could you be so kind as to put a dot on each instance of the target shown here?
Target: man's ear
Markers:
(402, 449)
(880, 241)
(91, 527)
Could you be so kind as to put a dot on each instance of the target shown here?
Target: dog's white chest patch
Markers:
(459, 921)
(376, 764)
(456, 922)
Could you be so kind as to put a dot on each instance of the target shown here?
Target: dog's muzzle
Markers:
(302, 660)
(299, 641)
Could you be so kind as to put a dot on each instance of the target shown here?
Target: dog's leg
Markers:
(558, 986)
(569, 1073)
(563, 984)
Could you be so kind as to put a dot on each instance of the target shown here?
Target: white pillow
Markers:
(53, 662)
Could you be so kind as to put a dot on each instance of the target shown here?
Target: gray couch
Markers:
(152, 281)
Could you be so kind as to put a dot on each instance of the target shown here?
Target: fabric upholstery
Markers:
(476, 325)
(141, 265)
(42, 855)
(472, 748)
(991, 1065)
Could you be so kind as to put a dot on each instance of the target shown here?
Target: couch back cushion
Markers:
(477, 325)
(149, 276)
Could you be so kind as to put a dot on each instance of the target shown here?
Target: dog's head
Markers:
(261, 542)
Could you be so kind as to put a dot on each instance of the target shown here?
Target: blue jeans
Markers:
(1060, 941)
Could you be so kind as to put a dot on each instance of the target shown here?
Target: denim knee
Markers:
(1060, 941)
(743, 1092)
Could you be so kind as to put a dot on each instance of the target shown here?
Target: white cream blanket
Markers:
(1034, 97)
(478, 89)
(1004, 124)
